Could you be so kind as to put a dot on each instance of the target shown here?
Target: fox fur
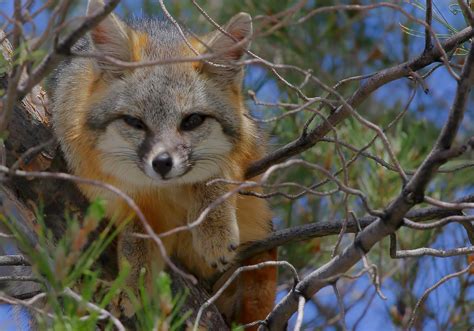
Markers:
(115, 123)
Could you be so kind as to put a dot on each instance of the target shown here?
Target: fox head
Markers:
(173, 123)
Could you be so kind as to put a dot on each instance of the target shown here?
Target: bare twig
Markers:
(95, 308)
(432, 288)
(63, 48)
(340, 302)
(412, 194)
(467, 12)
(373, 83)
(436, 224)
(19, 279)
(428, 18)
(32, 152)
(234, 275)
(425, 251)
(300, 313)
(130, 202)
(13, 260)
(333, 227)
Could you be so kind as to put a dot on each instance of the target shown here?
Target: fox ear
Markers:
(239, 28)
(111, 37)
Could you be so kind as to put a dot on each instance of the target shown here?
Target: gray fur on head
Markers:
(160, 97)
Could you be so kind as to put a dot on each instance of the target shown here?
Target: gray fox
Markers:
(160, 133)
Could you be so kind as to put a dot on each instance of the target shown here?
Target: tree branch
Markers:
(411, 195)
(328, 228)
(63, 48)
(434, 287)
(379, 79)
(13, 260)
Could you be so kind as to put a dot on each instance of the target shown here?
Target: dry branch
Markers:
(333, 227)
(374, 82)
(412, 194)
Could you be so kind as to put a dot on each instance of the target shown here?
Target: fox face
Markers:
(164, 130)
(166, 124)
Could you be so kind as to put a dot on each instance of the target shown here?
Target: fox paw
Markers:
(121, 306)
(217, 248)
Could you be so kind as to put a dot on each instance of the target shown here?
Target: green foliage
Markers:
(159, 309)
(72, 263)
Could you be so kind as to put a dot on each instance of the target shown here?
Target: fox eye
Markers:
(134, 122)
(192, 121)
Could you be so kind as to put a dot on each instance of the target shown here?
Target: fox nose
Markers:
(162, 164)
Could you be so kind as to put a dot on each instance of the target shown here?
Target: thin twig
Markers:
(340, 302)
(432, 288)
(95, 308)
(234, 275)
(13, 260)
(300, 313)
(130, 202)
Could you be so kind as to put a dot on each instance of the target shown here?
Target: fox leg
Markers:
(216, 239)
(258, 289)
(251, 296)
(133, 250)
